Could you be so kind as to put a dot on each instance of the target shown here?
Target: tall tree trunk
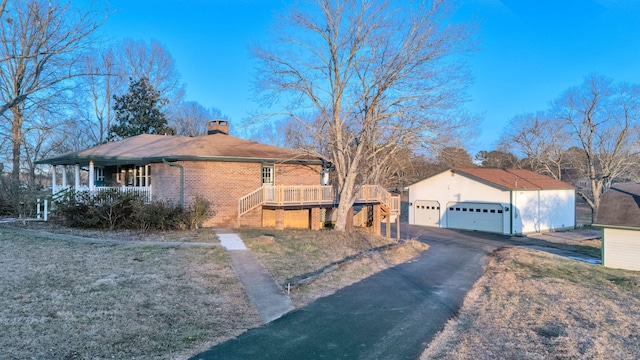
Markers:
(16, 143)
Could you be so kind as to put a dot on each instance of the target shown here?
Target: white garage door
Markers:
(427, 212)
(475, 216)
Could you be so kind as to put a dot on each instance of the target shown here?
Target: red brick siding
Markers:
(293, 174)
(224, 183)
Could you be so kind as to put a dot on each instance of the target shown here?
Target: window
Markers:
(99, 174)
(499, 211)
(267, 175)
(485, 210)
(493, 211)
(457, 209)
(478, 210)
(464, 209)
(450, 209)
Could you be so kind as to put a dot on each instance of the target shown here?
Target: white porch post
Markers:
(140, 170)
(53, 178)
(64, 176)
(77, 178)
(92, 176)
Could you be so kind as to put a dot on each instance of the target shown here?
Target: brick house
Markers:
(247, 183)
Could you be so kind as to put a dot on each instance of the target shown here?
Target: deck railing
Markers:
(315, 195)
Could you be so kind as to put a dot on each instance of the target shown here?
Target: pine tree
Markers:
(139, 112)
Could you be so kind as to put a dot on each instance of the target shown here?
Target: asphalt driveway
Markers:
(393, 314)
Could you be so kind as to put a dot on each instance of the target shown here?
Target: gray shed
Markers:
(619, 217)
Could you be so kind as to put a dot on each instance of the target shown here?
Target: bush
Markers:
(117, 210)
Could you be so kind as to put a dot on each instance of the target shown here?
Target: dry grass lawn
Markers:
(532, 305)
(71, 300)
(75, 300)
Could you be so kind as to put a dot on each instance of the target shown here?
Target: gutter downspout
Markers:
(181, 179)
(513, 210)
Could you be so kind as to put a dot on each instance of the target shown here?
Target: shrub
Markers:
(116, 210)
(199, 211)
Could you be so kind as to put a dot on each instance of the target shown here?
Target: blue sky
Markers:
(529, 51)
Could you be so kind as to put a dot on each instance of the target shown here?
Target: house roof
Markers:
(148, 148)
(620, 206)
(514, 179)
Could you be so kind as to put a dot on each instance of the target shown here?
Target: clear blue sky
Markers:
(530, 51)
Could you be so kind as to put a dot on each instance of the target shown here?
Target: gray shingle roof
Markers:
(153, 148)
(620, 206)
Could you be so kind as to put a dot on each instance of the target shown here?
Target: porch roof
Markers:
(146, 148)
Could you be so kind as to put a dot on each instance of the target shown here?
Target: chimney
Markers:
(218, 126)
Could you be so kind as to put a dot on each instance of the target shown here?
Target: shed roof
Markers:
(620, 206)
(515, 179)
(148, 148)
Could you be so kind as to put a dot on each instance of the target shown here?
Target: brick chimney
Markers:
(218, 126)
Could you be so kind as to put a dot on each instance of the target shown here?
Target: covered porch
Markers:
(94, 177)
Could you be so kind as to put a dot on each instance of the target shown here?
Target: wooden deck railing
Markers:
(313, 195)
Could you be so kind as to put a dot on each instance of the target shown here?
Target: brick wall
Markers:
(224, 183)
(293, 174)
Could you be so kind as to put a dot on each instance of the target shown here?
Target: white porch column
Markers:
(53, 178)
(64, 176)
(92, 176)
(77, 178)
(140, 170)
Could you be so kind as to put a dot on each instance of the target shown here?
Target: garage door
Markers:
(475, 216)
(427, 212)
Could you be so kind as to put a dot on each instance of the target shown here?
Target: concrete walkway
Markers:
(264, 292)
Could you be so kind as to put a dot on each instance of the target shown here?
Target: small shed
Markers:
(504, 201)
(619, 217)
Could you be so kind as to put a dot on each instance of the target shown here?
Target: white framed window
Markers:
(99, 173)
(267, 174)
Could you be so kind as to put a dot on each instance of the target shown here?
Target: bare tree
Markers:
(41, 42)
(191, 118)
(603, 119)
(152, 61)
(589, 137)
(541, 139)
(376, 75)
(95, 108)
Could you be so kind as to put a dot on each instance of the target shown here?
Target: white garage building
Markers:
(505, 201)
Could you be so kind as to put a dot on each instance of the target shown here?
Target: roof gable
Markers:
(620, 206)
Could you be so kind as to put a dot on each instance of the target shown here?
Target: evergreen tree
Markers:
(138, 112)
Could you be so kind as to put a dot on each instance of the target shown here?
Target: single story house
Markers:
(619, 217)
(504, 201)
(247, 183)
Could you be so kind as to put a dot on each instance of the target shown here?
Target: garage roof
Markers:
(514, 179)
(620, 206)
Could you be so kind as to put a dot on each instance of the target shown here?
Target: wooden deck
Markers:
(315, 195)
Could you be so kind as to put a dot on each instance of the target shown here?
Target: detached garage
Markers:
(505, 201)
(619, 216)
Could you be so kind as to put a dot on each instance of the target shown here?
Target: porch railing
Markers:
(143, 191)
